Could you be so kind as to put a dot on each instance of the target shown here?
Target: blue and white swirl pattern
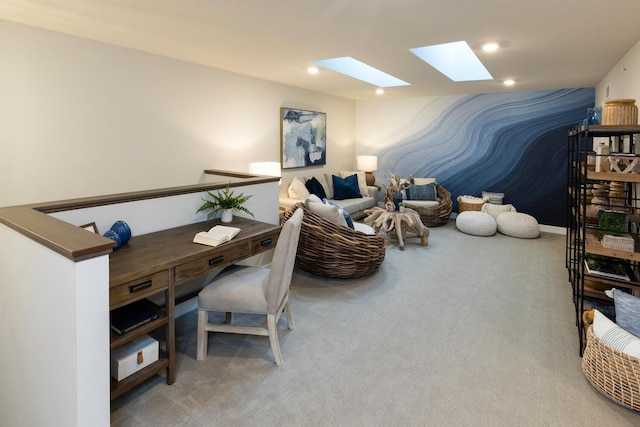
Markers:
(509, 143)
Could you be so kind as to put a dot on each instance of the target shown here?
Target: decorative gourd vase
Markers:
(123, 230)
(110, 234)
(397, 198)
(227, 216)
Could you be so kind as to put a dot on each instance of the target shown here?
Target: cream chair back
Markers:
(284, 258)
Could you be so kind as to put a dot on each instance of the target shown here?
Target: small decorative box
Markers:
(621, 243)
(133, 356)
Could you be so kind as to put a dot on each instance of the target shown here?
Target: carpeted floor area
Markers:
(469, 331)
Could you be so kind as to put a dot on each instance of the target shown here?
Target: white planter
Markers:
(227, 216)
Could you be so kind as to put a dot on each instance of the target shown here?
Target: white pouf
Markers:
(476, 223)
(517, 224)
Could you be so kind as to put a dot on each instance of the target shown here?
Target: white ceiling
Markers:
(547, 43)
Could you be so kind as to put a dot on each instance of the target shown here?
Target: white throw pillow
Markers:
(297, 190)
(362, 181)
(328, 212)
(495, 210)
(423, 181)
(328, 179)
(614, 336)
(328, 190)
(312, 199)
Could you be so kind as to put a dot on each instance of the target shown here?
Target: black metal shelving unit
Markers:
(582, 214)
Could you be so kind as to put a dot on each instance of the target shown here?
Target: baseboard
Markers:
(553, 229)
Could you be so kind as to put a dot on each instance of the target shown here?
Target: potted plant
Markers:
(224, 202)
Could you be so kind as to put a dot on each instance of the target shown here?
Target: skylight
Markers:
(361, 71)
(455, 60)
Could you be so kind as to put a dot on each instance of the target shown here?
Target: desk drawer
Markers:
(201, 266)
(264, 243)
(139, 288)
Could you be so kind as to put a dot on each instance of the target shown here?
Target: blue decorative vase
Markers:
(110, 234)
(123, 230)
(397, 198)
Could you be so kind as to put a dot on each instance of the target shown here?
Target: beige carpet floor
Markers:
(469, 331)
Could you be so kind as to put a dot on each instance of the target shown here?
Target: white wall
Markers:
(623, 79)
(81, 118)
(54, 357)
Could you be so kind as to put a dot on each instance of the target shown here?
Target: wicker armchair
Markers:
(434, 215)
(330, 250)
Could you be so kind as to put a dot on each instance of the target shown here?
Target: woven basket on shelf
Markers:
(331, 250)
(469, 203)
(611, 372)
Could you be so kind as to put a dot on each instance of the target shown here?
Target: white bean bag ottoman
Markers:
(517, 224)
(476, 223)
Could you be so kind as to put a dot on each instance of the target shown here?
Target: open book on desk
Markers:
(216, 235)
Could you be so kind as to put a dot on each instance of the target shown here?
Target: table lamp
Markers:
(367, 164)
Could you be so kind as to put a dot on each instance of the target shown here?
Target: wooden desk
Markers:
(158, 262)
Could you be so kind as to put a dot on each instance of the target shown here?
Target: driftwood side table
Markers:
(401, 222)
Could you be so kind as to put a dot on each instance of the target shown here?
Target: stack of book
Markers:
(131, 316)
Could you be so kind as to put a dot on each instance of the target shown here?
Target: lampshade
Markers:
(367, 163)
(265, 168)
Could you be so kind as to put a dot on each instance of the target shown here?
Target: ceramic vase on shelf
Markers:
(227, 216)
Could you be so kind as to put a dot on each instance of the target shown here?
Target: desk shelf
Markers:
(118, 340)
(120, 387)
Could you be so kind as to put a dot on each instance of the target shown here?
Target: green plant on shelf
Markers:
(612, 223)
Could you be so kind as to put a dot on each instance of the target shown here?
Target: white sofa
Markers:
(355, 206)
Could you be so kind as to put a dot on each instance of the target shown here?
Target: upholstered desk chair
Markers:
(253, 290)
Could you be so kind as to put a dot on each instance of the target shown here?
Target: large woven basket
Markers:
(611, 372)
(331, 250)
(467, 206)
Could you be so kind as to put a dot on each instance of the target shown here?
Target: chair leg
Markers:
(202, 335)
(272, 326)
(287, 309)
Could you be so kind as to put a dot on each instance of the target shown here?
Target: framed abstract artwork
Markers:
(303, 138)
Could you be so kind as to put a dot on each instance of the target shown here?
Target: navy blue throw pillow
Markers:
(422, 192)
(346, 188)
(314, 187)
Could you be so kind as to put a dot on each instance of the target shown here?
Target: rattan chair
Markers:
(611, 372)
(331, 250)
(435, 215)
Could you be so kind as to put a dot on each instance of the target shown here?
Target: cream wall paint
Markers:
(51, 346)
(82, 118)
(623, 79)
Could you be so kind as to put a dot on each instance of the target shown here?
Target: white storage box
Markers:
(133, 356)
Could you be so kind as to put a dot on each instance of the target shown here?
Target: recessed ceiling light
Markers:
(361, 71)
(455, 60)
(379, 91)
(509, 82)
(490, 47)
(312, 70)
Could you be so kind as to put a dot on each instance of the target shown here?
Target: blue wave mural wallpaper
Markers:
(512, 143)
